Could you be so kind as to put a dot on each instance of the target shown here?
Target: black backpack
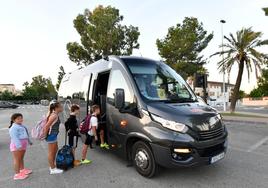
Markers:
(65, 158)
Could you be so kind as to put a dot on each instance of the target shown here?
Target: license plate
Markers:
(217, 158)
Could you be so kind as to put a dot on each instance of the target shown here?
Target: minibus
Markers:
(152, 116)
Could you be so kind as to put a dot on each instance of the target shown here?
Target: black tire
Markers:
(148, 167)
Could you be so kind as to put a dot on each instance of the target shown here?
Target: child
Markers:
(19, 141)
(52, 130)
(71, 126)
(95, 109)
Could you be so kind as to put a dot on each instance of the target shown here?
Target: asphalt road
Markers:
(246, 163)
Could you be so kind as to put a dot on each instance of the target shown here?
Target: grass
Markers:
(241, 115)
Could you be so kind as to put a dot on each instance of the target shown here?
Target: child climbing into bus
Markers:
(89, 129)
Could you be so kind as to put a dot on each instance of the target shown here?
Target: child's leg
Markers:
(16, 160)
(52, 151)
(73, 151)
(22, 154)
(102, 136)
(84, 151)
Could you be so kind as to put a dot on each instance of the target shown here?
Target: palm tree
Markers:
(242, 49)
(266, 11)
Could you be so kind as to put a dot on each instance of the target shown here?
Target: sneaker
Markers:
(26, 171)
(105, 146)
(20, 176)
(55, 171)
(86, 161)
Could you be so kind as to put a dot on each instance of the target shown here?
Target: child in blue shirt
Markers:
(19, 141)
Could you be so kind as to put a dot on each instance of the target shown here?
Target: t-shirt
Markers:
(72, 125)
(93, 123)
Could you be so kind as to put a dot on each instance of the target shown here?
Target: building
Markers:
(8, 87)
(215, 90)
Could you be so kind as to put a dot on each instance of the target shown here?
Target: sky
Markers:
(34, 33)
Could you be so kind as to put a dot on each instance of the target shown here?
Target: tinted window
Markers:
(158, 82)
(117, 81)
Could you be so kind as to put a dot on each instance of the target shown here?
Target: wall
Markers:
(255, 101)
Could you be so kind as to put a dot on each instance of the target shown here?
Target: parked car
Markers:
(5, 104)
(44, 102)
(152, 116)
(35, 102)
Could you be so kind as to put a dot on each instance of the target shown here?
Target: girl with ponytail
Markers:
(52, 130)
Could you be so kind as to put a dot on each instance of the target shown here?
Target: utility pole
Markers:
(223, 68)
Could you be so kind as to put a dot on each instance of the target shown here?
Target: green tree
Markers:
(61, 74)
(263, 82)
(39, 88)
(262, 89)
(255, 93)
(242, 49)
(30, 93)
(102, 34)
(182, 46)
(6, 95)
(265, 11)
(242, 94)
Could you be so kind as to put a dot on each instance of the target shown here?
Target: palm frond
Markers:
(261, 57)
(249, 67)
(257, 67)
(263, 42)
(220, 53)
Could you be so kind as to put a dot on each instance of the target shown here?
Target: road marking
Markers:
(258, 144)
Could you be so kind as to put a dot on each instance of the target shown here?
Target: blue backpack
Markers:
(65, 158)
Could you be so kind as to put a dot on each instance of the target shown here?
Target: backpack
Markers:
(85, 125)
(38, 131)
(65, 158)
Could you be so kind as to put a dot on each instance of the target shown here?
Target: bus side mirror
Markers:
(119, 99)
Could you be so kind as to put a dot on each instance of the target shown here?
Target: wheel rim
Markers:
(142, 159)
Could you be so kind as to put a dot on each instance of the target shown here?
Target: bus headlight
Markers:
(172, 125)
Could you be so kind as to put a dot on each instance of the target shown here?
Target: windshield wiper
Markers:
(180, 100)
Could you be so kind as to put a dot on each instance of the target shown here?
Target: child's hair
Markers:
(94, 108)
(13, 118)
(52, 107)
(74, 107)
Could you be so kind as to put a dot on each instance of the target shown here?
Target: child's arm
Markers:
(14, 137)
(94, 131)
(94, 125)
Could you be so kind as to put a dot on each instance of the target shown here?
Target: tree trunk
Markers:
(235, 94)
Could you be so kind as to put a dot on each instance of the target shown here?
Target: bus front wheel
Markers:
(143, 159)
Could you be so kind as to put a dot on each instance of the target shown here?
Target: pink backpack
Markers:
(38, 130)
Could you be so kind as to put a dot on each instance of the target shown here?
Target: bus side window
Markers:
(118, 81)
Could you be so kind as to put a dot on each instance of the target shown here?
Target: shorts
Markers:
(52, 138)
(23, 142)
(87, 139)
(71, 141)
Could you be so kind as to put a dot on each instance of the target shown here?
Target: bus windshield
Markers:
(158, 82)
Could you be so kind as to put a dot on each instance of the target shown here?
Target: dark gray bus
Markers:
(152, 116)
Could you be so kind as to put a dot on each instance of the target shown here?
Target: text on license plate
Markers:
(217, 158)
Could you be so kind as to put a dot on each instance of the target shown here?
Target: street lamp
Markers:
(223, 68)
